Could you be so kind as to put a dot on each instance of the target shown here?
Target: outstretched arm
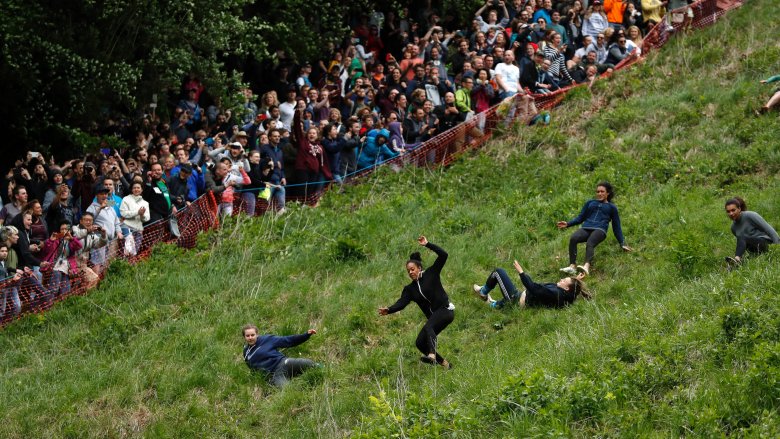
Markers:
(442, 255)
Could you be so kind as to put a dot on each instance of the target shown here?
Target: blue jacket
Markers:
(373, 153)
(264, 355)
(597, 215)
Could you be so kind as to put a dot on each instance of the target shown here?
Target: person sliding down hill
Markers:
(428, 293)
(753, 233)
(550, 295)
(595, 217)
(261, 353)
(774, 101)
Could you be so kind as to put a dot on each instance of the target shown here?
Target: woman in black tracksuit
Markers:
(427, 292)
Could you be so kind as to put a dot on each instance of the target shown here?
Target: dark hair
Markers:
(17, 189)
(415, 259)
(88, 214)
(737, 201)
(609, 188)
(61, 222)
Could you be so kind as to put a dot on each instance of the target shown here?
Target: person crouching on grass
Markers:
(549, 295)
(261, 353)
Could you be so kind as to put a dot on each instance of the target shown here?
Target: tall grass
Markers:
(672, 345)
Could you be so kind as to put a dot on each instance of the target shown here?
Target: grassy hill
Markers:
(672, 345)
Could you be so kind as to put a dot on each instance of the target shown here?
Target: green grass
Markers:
(672, 345)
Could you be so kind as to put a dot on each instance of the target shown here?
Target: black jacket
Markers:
(549, 295)
(427, 291)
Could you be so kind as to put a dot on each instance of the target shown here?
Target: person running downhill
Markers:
(426, 290)
(595, 217)
(550, 295)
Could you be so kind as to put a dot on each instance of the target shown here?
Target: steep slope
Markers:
(672, 345)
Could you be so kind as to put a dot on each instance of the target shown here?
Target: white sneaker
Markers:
(582, 269)
(571, 271)
(478, 291)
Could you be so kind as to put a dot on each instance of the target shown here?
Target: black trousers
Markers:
(754, 245)
(426, 339)
(591, 238)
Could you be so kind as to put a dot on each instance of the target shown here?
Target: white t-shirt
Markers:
(287, 113)
(510, 74)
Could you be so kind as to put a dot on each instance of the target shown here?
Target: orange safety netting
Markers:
(30, 292)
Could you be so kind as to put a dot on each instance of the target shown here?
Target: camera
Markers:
(495, 2)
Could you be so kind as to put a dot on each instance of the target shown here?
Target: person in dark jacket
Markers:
(157, 195)
(261, 353)
(550, 295)
(428, 293)
(595, 217)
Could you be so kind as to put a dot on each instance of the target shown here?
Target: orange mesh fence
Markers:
(37, 291)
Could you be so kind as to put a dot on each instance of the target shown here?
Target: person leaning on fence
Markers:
(93, 238)
(9, 279)
(549, 295)
(595, 217)
(60, 251)
(753, 233)
(135, 211)
(261, 353)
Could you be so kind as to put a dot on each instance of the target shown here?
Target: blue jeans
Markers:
(59, 283)
(508, 290)
(13, 293)
(250, 201)
(278, 193)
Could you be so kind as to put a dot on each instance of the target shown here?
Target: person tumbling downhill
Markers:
(549, 295)
(595, 217)
(428, 293)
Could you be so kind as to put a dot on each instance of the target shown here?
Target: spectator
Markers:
(287, 108)
(135, 211)
(311, 162)
(618, 51)
(55, 181)
(544, 12)
(375, 150)
(84, 186)
(10, 291)
(180, 187)
(615, 10)
(507, 76)
(105, 215)
(25, 247)
(595, 217)
(60, 252)
(595, 21)
(551, 295)
(553, 52)
(753, 233)
(157, 195)
(448, 114)
(93, 239)
(39, 229)
(653, 11)
(273, 152)
(262, 354)
(332, 143)
(492, 21)
(10, 210)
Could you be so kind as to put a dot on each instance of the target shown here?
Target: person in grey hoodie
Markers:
(753, 233)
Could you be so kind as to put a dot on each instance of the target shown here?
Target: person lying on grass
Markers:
(753, 233)
(550, 295)
(261, 353)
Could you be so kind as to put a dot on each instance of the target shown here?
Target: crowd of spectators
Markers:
(401, 79)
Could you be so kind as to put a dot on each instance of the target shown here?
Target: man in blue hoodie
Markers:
(261, 353)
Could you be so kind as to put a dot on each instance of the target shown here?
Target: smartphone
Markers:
(35, 155)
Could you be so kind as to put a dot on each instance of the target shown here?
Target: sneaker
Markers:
(733, 262)
(281, 211)
(427, 360)
(478, 290)
(446, 364)
(571, 271)
(583, 270)
(546, 118)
